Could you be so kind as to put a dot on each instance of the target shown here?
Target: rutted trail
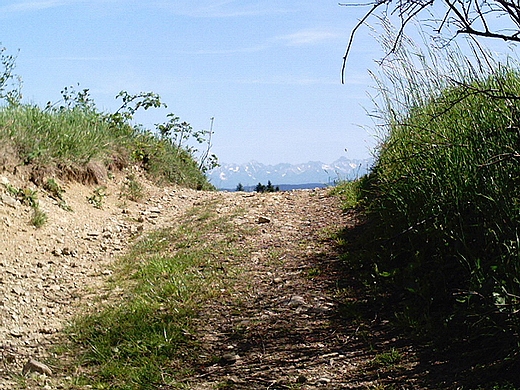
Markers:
(279, 324)
(47, 273)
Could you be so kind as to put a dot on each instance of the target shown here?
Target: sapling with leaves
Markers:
(131, 103)
(180, 133)
(10, 83)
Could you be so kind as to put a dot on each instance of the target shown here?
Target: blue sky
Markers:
(267, 71)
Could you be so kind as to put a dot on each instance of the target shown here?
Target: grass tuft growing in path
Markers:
(143, 338)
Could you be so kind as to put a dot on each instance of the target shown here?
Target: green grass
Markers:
(388, 359)
(132, 189)
(66, 140)
(146, 338)
(350, 193)
(443, 203)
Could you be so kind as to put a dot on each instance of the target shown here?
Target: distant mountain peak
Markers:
(229, 175)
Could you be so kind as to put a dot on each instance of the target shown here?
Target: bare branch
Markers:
(470, 17)
(353, 33)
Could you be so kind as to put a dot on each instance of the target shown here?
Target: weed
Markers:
(11, 190)
(388, 359)
(313, 272)
(132, 189)
(39, 217)
(54, 189)
(98, 197)
(349, 192)
(56, 192)
(28, 197)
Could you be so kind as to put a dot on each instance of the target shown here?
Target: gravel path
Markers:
(279, 328)
(45, 273)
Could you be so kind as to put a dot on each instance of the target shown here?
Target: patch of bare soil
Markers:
(289, 319)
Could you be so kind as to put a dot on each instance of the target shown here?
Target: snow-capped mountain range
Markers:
(228, 176)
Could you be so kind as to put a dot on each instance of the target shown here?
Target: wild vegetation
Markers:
(441, 243)
(72, 138)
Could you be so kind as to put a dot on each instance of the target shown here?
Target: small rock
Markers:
(9, 201)
(263, 219)
(47, 330)
(301, 379)
(18, 290)
(228, 358)
(57, 252)
(296, 300)
(323, 381)
(35, 366)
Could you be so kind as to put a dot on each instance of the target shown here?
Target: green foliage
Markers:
(388, 359)
(29, 197)
(10, 84)
(39, 217)
(445, 200)
(131, 104)
(266, 188)
(98, 197)
(56, 191)
(132, 189)
(240, 187)
(180, 133)
(350, 192)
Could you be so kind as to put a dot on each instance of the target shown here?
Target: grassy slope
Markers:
(66, 141)
(441, 244)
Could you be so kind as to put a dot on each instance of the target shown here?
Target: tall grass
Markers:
(76, 136)
(445, 192)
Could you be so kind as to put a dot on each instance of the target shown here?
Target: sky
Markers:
(267, 71)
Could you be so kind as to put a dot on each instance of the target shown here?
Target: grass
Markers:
(351, 193)
(66, 140)
(146, 338)
(388, 359)
(29, 197)
(131, 189)
(441, 243)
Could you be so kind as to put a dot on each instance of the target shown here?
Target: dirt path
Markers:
(281, 328)
(289, 323)
(45, 273)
